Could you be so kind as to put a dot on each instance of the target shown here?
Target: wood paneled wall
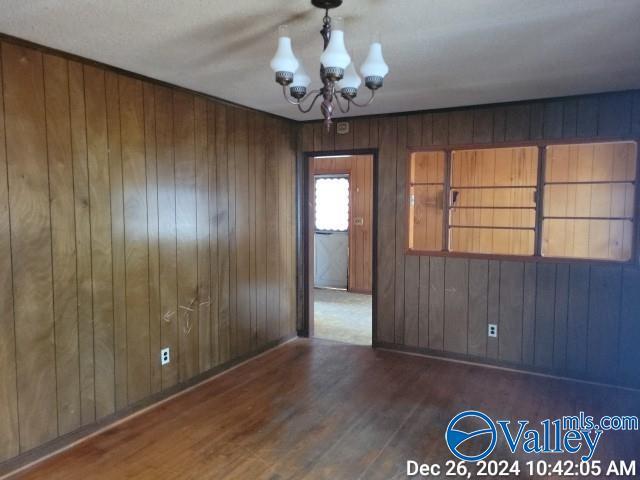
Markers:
(577, 319)
(133, 216)
(360, 170)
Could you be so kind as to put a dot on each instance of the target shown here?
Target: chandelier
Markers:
(337, 71)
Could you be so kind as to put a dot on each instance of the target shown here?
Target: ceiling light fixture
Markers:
(337, 71)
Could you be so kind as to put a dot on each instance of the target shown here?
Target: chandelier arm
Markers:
(307, 110)
(368, 102)
(342, 109)
(297, 102)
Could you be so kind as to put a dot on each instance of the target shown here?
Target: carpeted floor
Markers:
(342, 316)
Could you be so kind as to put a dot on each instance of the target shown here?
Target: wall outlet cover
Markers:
(493, 330)
(165, 356)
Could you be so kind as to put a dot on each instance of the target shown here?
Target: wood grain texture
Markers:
(543, 309)
(83, 241)
(8, 391)
(26, 144)
(112, 216)
(63, 246)
(353, 429)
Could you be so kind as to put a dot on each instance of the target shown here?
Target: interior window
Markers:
(501, 201)
(589, 196)
(332, 203)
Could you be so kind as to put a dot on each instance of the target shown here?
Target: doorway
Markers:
(340, 243)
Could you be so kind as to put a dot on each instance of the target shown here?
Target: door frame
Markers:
(305, 237)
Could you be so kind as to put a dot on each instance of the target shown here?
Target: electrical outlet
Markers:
(165, 356)
(493, 330)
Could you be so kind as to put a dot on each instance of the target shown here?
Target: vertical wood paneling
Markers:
(587, 117)
(203, 232)
(604, 322)
(101, 252)
(560, 319)
(273, 267)
(186, 230)
(511, 308)
(242, 242)
(529, 314)
(63, 242)
(629, 353)
(167, 232)
(83, 241)
(614, 114)
(456, 305)
(577, 320)
(436, 303)
(119, 202)
(151, 156)
(545, 302)
(423, 308)
(478, 281)
(26, 145)
(224, 339)
(117, 239)
(261, 210)
(9, 447)
(136, 238)
(482, 126)
(517, 128)
(493, 306)
(461, 127)
(386, 230)
(400, 227)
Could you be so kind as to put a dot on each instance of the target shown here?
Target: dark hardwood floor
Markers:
(316, 409)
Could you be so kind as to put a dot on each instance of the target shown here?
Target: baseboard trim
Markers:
(488, 363)
(22, 462)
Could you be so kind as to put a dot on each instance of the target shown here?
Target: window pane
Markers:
(492, 217)
(494, 197)
(427, 167)
(589, 201)
(494, 167)
(492, 203)
(589, 239)
(425, 217)
(332, 204)
(495, 241)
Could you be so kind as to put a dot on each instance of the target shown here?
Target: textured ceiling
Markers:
(442, 53)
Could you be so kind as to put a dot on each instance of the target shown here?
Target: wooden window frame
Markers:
(541, 145)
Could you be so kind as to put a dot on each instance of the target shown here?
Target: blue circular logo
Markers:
(456, 437)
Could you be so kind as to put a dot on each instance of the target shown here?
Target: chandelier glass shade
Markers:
(340, 80)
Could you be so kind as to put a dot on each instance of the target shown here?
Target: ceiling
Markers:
(442, 53)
